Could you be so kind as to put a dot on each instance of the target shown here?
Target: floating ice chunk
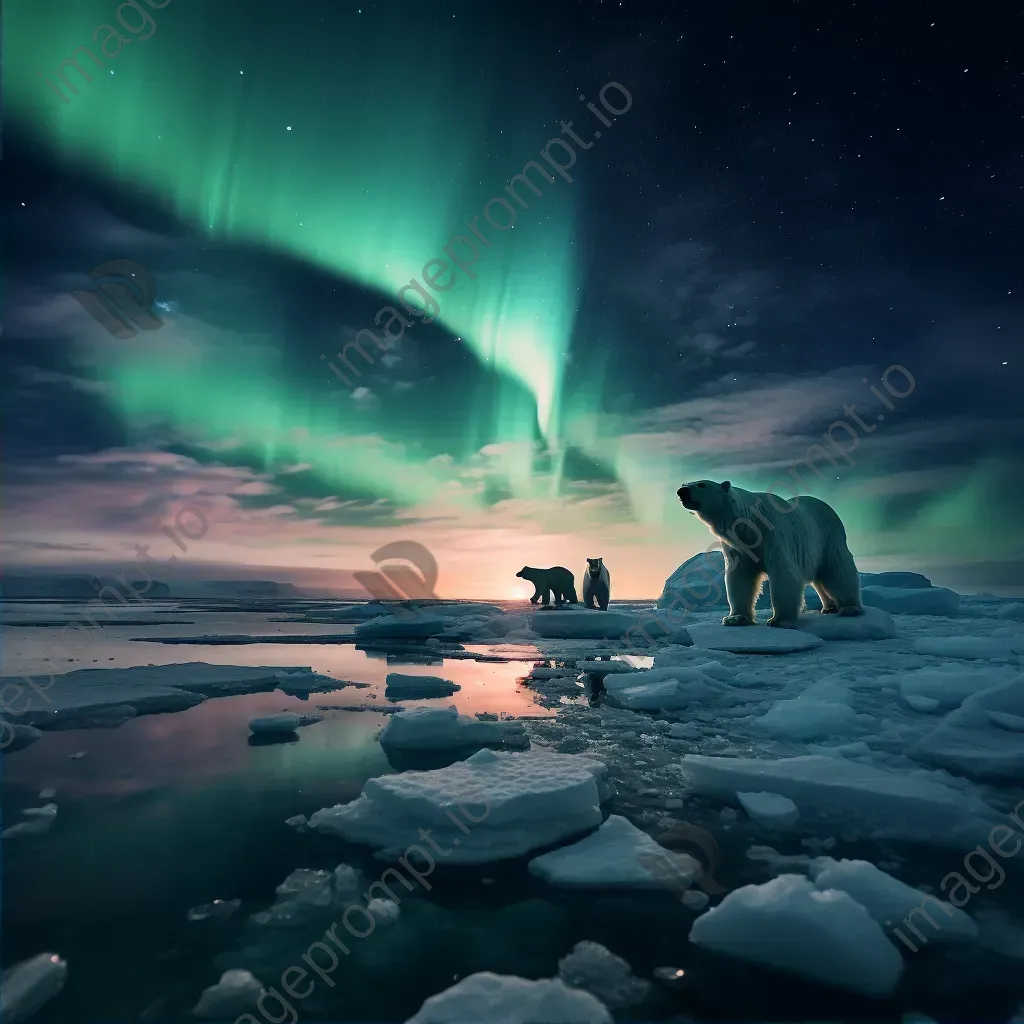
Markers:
(505, 999)
(492, 806)
(874, 624)
(949, 685)
(270, 725)
(891, 902)
(21, 737)
(669, 694)
(76, 756)
(809, 719)
(297, 822)
(401, 686)
(617, 856)
(600, 972)
(753, 639)
(971, 742)
(445, 729)
(770, 809)
(970, 647)
(218, 910)
(924, 704)
(40, 821)
(27, 986)
(386, 911)
(581, 624)
(778, 861)
(235, 994)
(409, 626)
(838, 792)
(47, 794)
(911, 601)
(789, 925)
(1013, 611)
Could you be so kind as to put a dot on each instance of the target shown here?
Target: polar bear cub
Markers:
(792, 543)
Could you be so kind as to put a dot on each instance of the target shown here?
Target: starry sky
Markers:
(791, 199)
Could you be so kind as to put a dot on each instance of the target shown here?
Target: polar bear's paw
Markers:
(781, 623)
(737, 620)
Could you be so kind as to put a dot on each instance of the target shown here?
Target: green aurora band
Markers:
(362, 166)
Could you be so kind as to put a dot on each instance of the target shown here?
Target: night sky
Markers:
(798, 197)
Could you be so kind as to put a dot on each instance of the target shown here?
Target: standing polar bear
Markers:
(792, 543)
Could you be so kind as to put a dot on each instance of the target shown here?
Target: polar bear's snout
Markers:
(687, 498)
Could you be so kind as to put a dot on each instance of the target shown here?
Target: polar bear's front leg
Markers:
(742, 582)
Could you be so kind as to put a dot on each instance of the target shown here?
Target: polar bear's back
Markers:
(811, 531)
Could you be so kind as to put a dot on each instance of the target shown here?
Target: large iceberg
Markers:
(789, 925)
(493, 806)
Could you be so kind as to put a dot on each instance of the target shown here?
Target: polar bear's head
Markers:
(707, 500)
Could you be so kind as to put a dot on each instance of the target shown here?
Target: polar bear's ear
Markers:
(726, 485)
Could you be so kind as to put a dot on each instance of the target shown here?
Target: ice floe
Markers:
(283, 722)
(834, 791)
(40, 821)
(595, 969)
(492, 806)
(753, 639)
(874, 624)
(29, 985)
(911, 601)
(445, 729)
(402, 686)
(770, 809)
(505, 999)
(88, 696)
(789, 925)
(409, 626)
(969, 647)
(235, 993)
(617, 856)
(891, 902)
(982, 738)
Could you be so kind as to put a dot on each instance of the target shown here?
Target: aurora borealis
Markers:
(704, 297)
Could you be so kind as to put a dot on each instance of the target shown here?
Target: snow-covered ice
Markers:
(948, 685)
(307, 893)
(874, 624)
(804, 718)
(492, 806)
(40, 821)
(445, 729)
(770, 809)
(911, 601)
(970, 647)
(877, 803)
(982, 738)
(617, 856)
(890, 902)
(87, 696)
(753, 639)
(402, 686)
(29, 985)
(506, 999)
(235, 993)
(408, 626)
(789, 925)
(281, 723)
(595, 969)
(582, 624)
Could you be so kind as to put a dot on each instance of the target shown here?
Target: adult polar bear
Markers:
(800, 544)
